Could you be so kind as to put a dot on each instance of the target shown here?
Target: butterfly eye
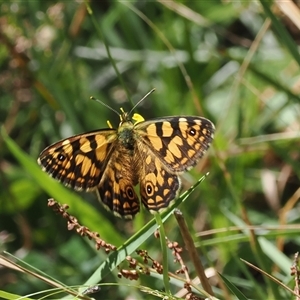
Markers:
(130, 193)
(192, 132)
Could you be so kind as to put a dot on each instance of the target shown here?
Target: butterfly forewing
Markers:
(79, 161)
(179, 142)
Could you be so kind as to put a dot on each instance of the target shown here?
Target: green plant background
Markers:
(234, 62)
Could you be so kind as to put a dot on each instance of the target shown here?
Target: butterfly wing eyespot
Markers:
(61, 157)
(79, 161)
(149, 189)
(179, 142)
(130, 193)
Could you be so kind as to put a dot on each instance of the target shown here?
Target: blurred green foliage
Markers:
(234, 62)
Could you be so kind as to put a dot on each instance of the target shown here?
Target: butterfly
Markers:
(113, 161)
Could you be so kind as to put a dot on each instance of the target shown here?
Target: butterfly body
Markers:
(112, 161)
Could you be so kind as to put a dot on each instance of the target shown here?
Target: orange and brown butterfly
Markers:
(112, 162)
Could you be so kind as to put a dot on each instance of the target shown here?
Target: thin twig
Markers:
(189, 243)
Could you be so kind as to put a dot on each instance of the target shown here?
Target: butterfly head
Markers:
(125, 117)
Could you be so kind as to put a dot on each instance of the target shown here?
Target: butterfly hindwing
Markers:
(79, 161)
(158, 187)
(116, 188)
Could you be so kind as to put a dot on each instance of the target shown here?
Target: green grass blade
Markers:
(283, 34)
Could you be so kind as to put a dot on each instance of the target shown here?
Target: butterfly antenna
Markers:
(104, 104)
(141, 100)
